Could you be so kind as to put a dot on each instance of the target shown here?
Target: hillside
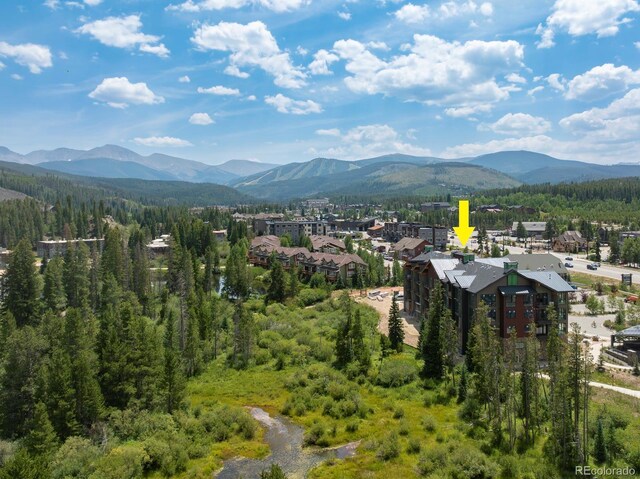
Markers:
(7, 195)
(245, 167)
(399, 158)
(298, 171)
(386, 179)
(47, 186)
(106, 168)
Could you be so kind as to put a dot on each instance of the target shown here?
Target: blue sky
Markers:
(289, 80)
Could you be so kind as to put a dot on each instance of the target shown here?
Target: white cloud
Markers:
(521, 124)
(539, 143)
(17, 77)
(328, 132)
(250, 45)
(300, 50)
(321, 61)
(201, 119)
(124, 32)
(556, 81)
(619, 121)
(162, 142)
(54, 4)
(413, 14)
(345, 15)
(30, 55)
(535, 90)
(252, 98)
(235, 71)
(208, 5)
(295, 107)
(637, 44)
(515, 78)
(601, 81)
(579, 17)
(369, 140)
(184, 79)
(119, 92)
(460, 76)
(220, 90)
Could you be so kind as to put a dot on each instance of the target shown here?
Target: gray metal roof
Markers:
(498, 262)
(538, 262)
(465, 281)
(443, 264)
(451, 274)
(550, 279)
(424, 257)
(633, 331)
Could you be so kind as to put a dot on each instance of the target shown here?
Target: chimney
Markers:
(510, 265)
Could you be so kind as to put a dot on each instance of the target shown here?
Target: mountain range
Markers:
(394, 174)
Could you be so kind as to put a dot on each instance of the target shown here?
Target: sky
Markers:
(290, 80)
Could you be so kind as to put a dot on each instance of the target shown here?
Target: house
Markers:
(516, 296)
(436, 236)
(51, 248)
(408, 248)
(316, 203)
(159, 247)
(295, 229)
(351, 225)
(4, 257)
(220, 235)
(331, 266)
(434, 206)
(375, 231)
(569, 242)
(269, 241)
(534, 229)
(327, 244)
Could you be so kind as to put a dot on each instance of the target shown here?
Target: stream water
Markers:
(285, 440)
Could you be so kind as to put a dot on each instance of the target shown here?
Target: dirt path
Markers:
(383, 305)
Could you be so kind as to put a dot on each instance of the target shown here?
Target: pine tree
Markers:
(192, 354)
(396, 331)
(344, 340)
(600, 446)
(432, 347)
(243, 336)
(294, 283)
(463, 386)
(277, 288)
(530, 386)
(53, 291)
(76, 275)
(60, 394)
(41, 439)
(20, 285)
(361, 352)
(173, 380)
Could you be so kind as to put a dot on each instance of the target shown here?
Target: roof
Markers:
(409, 243)
(550, 279)
(633, 331)
(376, 227)
(318, 242)
(339, 259)
(531, 225)
(442, 265)
(571, 236)
(268, 240)
(538, 262)
(426, 257)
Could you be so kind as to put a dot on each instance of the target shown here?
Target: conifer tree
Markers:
(396, 331)
(20, 285)
(243, 336)
(277, 288)
(294, 283)
(41, 439)
(530, 401)
(600, 446)
(60, 394)
(432, 346)
(361, 352)
(173, 380)
(76, 275)
(53, 291)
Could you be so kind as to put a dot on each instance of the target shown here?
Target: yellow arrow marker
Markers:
(463, 230)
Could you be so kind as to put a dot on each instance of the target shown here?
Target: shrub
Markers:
(352, 426)
(433, 459)
(429, 423)
(75, 458)
(389, 447)
(122, 462)
(398, 413)
(469, 463)
(310, 296)
(396, 372)
(413, 446)
(403, 430)
(315, 436)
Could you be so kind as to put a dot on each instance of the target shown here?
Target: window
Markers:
(510, 300)
(528, 299)
(511, 329)
(528, 313)
(511, 313)
(541, 330)
(489, 299)
(492, 314)
(542, 298)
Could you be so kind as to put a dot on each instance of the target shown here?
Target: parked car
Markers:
(592, 267)
(568, 265)
(568, 258)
